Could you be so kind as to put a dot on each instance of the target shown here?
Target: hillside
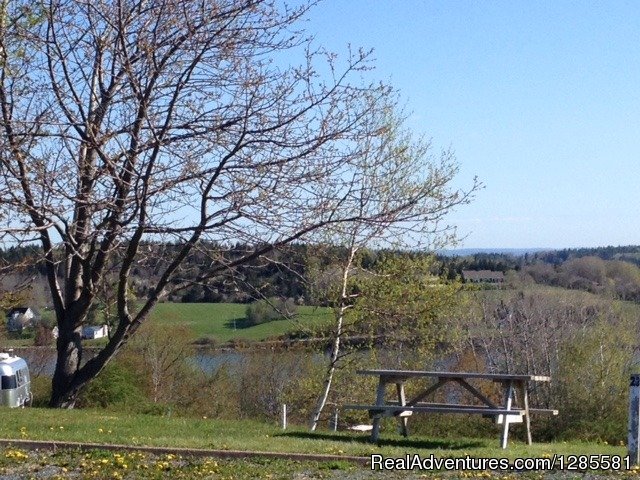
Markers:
(222, 322)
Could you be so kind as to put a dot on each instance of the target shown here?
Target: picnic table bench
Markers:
(513, 409)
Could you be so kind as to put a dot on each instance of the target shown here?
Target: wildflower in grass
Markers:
(16, 454)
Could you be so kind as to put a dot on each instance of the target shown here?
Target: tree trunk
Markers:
(64, 391)
(328, 380)
(335, 350)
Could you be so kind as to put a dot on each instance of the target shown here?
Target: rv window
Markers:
(20, 377)
(8, 382)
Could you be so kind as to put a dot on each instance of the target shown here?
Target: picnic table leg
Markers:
(505, 418)
(375, 432)
(402, 400)
(525, 405)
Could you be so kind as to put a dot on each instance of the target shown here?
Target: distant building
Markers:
(482, 276)
(91, 332)
(22, 317)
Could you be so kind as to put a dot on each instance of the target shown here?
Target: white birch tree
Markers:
(400, 194)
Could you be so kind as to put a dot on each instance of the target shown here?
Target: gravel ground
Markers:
(16, 464)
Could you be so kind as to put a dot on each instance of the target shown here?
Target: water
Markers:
(42, 360)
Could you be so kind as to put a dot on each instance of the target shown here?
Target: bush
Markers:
(592, 382)
(584, 342)
(43, 336)
(264, 311)
(212, 395)
(116, 385)
(41, 390)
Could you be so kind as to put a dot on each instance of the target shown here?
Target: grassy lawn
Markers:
(100, 426)
(103, 426)
(225, 321)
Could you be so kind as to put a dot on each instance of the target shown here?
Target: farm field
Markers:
(226, 321)
(215, 321)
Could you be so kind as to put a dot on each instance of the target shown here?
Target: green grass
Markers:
(103, 426)
(100, 426)
(17, 342)
(225, 321)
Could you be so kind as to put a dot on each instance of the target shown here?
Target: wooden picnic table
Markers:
(514, 407)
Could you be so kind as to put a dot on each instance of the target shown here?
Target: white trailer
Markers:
(15, 383)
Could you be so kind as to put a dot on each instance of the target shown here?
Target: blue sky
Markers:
(540, 100)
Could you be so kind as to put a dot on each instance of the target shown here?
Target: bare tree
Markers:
(129, 121)
(163, 361)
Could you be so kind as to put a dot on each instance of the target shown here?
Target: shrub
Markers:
(592, 382)
(163, 354)
(271, 309)
(116, 385)
(43, 336)
(41, 390)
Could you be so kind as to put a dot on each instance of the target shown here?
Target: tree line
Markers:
(298, 271)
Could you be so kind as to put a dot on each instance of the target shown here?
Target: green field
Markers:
(226, 321)
(217, 321)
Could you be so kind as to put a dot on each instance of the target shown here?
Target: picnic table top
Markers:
(496, 377)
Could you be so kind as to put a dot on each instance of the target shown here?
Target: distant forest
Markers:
(302, 269)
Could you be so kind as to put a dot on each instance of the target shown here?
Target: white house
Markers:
(20, 318)
(91, 332)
